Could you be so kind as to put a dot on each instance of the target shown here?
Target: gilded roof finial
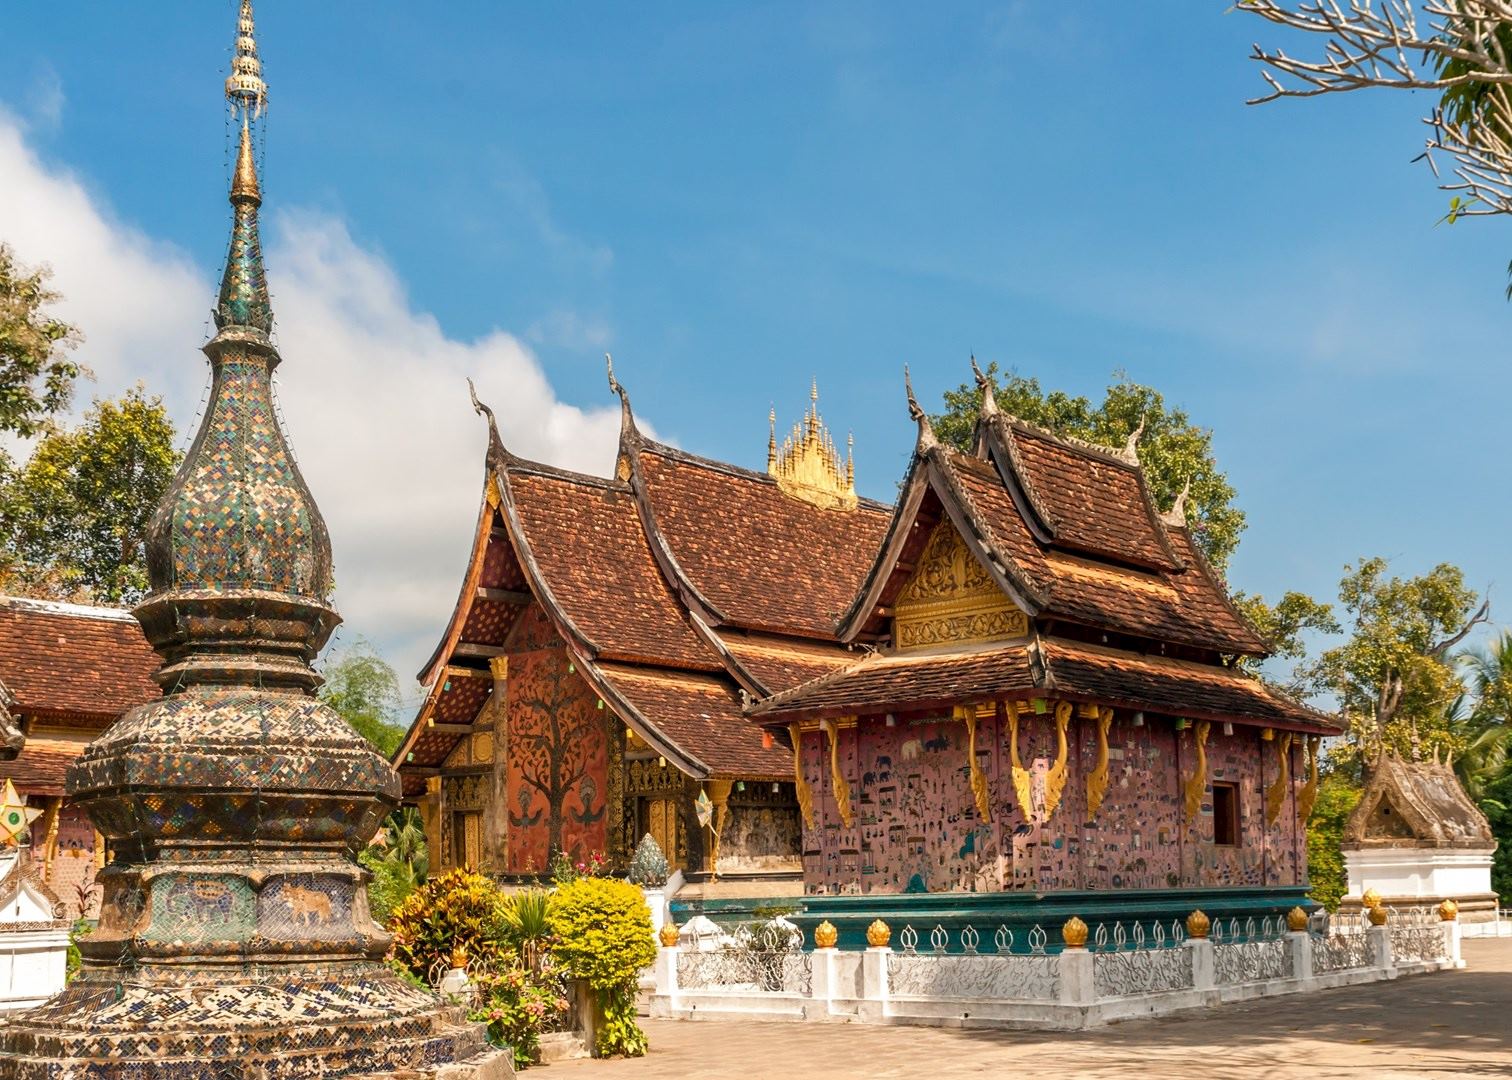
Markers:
(244, 184)
(245, 88)
(808, 465)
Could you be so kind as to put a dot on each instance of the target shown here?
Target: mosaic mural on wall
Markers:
(915, 825)
(558, 757)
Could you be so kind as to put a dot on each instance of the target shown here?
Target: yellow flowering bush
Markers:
(602, 932)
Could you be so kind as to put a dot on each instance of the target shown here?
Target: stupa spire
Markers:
(244, 286)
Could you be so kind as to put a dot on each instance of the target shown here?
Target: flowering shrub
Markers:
(563, 870)
(602, 929)
(459, 909)
(517, 1006)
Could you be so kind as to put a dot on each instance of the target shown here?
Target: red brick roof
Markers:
(68, 662)
(585, 538)
(763, 559)
(701, 715)
(42, 766)
(781, 663)
(1049, 666)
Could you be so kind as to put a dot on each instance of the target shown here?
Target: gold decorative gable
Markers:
(951, 599)
(807, 467)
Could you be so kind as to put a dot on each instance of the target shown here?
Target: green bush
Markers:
(527, 925)
(1337, 797)
(460, 909)
(602, 929)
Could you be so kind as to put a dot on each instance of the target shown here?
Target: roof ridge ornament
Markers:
(807, 465)
(1130, 452)
(1175, 517)
(989, 406)
(926, 430)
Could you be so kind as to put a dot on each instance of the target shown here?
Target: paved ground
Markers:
(1448, 1024)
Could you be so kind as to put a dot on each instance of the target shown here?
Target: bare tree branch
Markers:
(1411, 45)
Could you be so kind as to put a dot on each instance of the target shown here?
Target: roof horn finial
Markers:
(1176, 515)
(920, 417)
(1130, 451)
(989, 406)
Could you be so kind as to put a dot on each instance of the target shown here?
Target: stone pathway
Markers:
(1449, 1024)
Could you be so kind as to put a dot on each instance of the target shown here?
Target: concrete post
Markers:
(1200, 956)
(1380, 949)
(666, 971)
(1299, 944)
(874, 986)
(825, 978)
(1076, 983)
(1451, 928)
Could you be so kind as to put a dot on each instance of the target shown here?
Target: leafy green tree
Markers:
(1338, 794)
(1394, 676)
(1285, 626)
(36, 373)
(1173, 450)
(1483, 730)
(364, 689)
(74, 517)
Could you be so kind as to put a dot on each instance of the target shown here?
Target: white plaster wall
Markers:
(32, 966)
(1427, 873)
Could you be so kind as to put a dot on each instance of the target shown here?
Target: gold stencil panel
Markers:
(483, 746)
(952, 599)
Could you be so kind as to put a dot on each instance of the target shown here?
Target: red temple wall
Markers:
(915, 827)
(557, 762)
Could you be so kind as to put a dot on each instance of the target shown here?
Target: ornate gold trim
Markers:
(979, 790)
(491, 492)
(837, 778)
(805, 796)
(499, 666)
(1055, 778)
(807, 467)
(1197, 783)
(1275, 795)
(1309, 793)
(1097, 779)
(719, 795)
(1021, 786)
(951, 598)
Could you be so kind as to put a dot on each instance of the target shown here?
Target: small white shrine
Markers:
(1417, 839)
(33, 938)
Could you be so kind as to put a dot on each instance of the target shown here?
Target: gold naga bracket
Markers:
(1197, 783)
(1275, 795)
(1097, 780)
(1021, 787)
(719, 795)
(979, 790)
(1309, 793)
(842, 788)
(800, 784)
(1055, 778)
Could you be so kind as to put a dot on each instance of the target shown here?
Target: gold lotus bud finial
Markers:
(1074, 933)
(1378, 916)
(245, 88)
(1370, 899)
(1296, 920)
(878, 934)
(669, 934)
(1448, 911)
(825, 935)
(1198, 924)
(459, 956)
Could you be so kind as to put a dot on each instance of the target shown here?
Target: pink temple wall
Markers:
(915, 827)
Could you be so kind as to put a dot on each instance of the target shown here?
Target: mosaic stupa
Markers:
(234, 937)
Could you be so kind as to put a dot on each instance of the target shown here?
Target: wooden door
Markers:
(659, 818)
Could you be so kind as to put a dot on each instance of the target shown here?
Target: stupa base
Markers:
(208, 1025)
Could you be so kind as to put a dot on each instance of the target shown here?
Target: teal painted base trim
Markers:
(1019, 912)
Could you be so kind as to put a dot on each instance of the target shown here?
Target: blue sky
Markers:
(733, 200)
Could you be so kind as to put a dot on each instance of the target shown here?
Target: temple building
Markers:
(1049, 705)
(67, 671)
(1022, 684)
(588, 688)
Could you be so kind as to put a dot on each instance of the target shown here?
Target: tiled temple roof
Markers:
(1048, 667)
(41, 768)
(84, 665)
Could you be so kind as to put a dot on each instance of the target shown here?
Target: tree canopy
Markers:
(37, 373)
(1172, 449)
(363, 688)
(74, 517)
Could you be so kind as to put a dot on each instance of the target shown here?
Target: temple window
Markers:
(1226, 814)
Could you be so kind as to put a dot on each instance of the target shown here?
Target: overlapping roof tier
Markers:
(74, 664)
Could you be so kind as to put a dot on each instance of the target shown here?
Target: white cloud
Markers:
(374, 392)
